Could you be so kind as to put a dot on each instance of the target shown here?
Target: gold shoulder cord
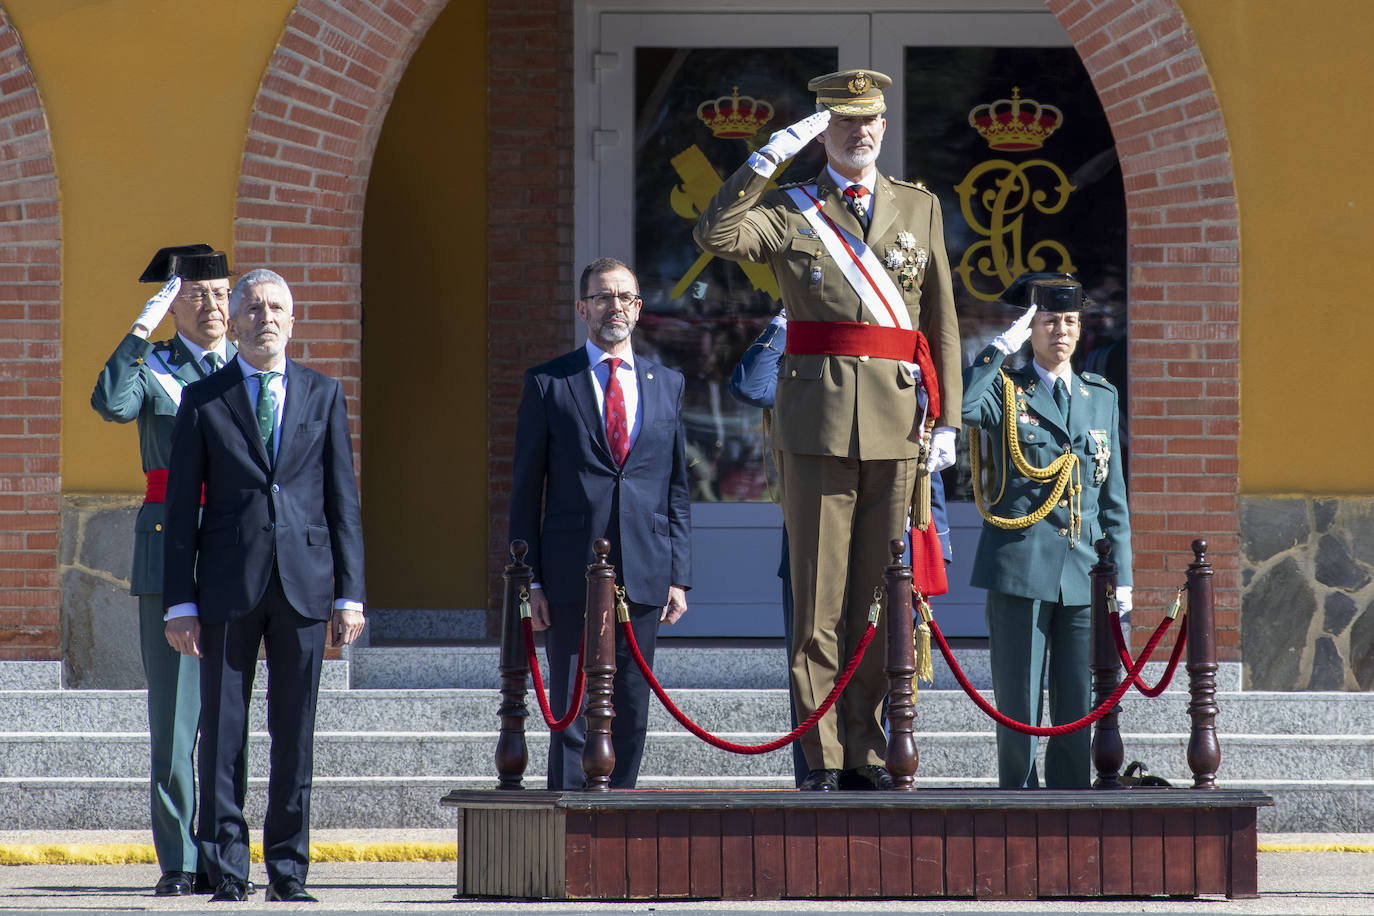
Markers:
(1063, 471)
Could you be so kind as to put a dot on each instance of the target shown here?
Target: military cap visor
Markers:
(852, 92)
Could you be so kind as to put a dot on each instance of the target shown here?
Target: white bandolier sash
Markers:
(165, 377)
(863, 270)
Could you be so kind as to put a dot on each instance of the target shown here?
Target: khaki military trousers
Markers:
(840, 514)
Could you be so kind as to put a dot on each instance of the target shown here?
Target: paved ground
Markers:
(1299, 874)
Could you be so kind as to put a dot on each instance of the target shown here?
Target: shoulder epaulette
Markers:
(1092, 378)
(918, 185)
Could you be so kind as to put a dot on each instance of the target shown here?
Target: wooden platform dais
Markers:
(932, 843)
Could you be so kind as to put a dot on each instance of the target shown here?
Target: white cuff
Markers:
(762, 164)
(185, 609)
(345, 604)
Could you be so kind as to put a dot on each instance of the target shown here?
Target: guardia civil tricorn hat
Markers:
(852, 92)
(1057, 295)
(189, 262)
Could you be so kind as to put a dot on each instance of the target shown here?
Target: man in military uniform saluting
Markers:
(142, 381)
(872, 353)
(1063, 427)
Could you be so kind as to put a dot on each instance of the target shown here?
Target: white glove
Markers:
(941, 449)
(780, 319)
(156, 308)
(1123, 599)
(1011, 340)
(786, 143)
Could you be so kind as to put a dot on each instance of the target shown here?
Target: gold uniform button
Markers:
(1063, 532)
(139, 360)
(818, 253)
(741, 193)
(157, 527)
(1030, 436)
(987, 359)
(1063, 503)
(794, 373)
(863, 358)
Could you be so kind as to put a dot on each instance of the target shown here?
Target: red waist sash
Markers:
(157, 487)
(852, 338)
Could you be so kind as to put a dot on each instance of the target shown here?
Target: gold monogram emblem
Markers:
(859, 84)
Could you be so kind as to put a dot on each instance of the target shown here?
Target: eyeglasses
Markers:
(200, 296)
(606, 300)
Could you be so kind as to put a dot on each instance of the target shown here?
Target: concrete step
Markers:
(437, 710)
(675, 754)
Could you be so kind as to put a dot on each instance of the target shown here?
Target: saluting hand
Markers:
(155, 309)
(1011, 340)
(789, 141)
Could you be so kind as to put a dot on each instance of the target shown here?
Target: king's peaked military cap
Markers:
(852, 92)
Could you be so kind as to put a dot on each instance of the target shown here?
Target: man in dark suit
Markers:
(599, 452)
(275, 557)
(142, 381)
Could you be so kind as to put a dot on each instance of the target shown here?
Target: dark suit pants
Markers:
(295, 652)
(173, 717)
(630, 696)
(1028, 639)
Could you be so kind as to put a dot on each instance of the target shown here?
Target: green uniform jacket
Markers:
(1043, 561)
(845, 406)
(126, 390)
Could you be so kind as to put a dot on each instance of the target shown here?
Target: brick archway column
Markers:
(30, 366)
(1184, 295)
(303, 182)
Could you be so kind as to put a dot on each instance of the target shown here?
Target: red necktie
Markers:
(855, 193)
(617, 431)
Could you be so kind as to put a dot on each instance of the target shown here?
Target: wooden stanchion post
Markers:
(598, 662)
(1108, 753)
(512, 754)
(1204, 751)
(902, 756)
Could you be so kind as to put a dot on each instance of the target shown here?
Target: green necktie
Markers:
(1061, 399)
(212, 361)
(267, 410)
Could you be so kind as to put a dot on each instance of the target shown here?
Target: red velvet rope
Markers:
(1126, 662)
(730, 746)
(1049, 731)
(575, 705)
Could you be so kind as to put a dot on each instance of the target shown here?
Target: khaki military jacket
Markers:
(845, 406)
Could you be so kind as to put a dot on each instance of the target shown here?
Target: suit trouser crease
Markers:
(173, 719)
(630, 696)
(295, 653)
(1032, 643)
(840, 515)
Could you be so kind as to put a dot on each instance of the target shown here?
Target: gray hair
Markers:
(260, 277)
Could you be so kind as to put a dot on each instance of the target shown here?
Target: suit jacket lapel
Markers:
(297, 394)
(184, 365)
(1040, 398)
(245, 412)
(884, 211)
(582, 389)
(834, 205)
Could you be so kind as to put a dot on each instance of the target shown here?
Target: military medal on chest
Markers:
(1102, 454)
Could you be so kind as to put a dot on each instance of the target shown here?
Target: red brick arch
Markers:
(30, 365)
(313, 131)
(1184, 258)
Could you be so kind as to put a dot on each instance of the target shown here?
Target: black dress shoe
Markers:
(290, 890)
(173, 884)
(867, 777)
(203, 885)
(821, 781)
(230, 889)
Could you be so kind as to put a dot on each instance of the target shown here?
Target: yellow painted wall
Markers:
(148, 106)
(425, 329)
(1293, 77)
